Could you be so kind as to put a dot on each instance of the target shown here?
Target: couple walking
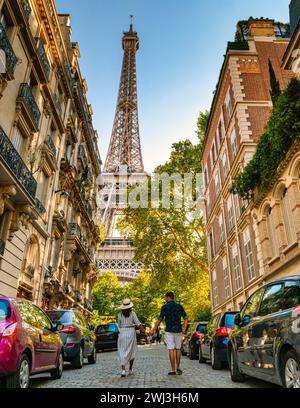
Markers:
(172, 313)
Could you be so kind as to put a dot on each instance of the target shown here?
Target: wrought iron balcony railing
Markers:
(11, 59)
(39, 206)
(14, 162)
(2, 247)
(43, 56)
(51, 145)
(238, 45)
(26, 7)
(25, 93)
(78, 296)
(88, 305)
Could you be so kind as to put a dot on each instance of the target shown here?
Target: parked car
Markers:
(190, 343)
(29, 343)
(213, 345)
(265, 342)
(107, 336)
(77, 336)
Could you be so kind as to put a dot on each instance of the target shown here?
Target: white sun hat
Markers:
(127, 304)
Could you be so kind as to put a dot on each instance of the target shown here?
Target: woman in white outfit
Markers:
(127, 344)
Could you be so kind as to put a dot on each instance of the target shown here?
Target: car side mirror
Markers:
(246, 320)
(238, 319)
(58, 327)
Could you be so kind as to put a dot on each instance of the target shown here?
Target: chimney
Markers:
(294, 14)
(261, 27)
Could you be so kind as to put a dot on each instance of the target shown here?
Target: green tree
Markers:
(202, 124)
(107, 295)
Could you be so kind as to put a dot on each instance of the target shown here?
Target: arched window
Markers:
(29, 269)
(288, 217)
(271, 232)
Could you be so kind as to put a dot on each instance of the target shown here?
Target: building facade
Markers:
(241, 107)
(49, 160)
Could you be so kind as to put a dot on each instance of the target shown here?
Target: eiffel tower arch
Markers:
(123, 167)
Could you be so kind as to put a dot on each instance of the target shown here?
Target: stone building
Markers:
(240, 110)
(49, 160)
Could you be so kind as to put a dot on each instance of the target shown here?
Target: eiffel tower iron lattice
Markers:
(125, 145)
(123, 168)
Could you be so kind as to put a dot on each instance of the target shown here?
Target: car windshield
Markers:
(229, 320)
(201, 328)
(4, 310)
(107, 328)
(61, 316)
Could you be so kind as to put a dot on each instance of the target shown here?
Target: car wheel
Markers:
(216, 363)
(57, 373)
(236, 375)
(20, 379)
(77, 361)
(291, 370)
(202, 360)
(92, 359)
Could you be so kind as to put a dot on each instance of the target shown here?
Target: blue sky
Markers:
(182, 43)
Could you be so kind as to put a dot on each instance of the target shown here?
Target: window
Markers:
(4, 310)
(43, 187)
(43, 322)
(211, 244)
(18, 141)
(251, 307)
(233, 143)
(217, 183)
(288, 217)
(230, 213)
(228, 105)
(205, 177)
(291, 296)
(215, 289)
(271, 232)
(236, 267)
(26, 312)
(271, 301)
(225, 165)
(249, 254)
(222, 228)
(226, 278)
(213, 153)
(220, 133)
(208, 203)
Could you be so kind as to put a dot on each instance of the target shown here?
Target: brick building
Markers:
(240, 110)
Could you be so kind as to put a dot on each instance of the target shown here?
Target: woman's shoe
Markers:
(123, 374)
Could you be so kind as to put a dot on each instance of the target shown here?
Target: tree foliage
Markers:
(202, 124)
(108, 294)
(282, 129)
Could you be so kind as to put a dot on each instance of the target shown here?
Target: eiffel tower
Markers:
(123, 167)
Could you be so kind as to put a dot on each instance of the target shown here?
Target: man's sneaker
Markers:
(172, 373)
(130, 372)
(179, 372)
(123, 374)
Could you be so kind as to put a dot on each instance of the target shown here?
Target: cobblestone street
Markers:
(150, 372)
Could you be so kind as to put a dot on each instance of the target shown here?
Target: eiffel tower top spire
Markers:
(125, 146)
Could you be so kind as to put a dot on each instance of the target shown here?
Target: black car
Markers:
(213, 345)
(190, 344)
(265, 342)
(77, 335)
(107, 336)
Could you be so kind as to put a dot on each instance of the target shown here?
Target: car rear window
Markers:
(107, 328)
(229, 320)
(4, 310)
(201, 328)
(62, 316)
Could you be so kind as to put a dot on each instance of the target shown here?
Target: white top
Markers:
(128, 322)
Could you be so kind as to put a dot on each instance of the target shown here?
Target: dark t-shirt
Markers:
(172, 312)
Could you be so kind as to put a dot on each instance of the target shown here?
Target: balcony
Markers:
(2, 247)
(14, 171)
(43, 57)
(74, 232)
(11, 59)
(30, 108)
(78, 296)
(26, 8)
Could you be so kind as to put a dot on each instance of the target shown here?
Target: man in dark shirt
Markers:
(173, 312)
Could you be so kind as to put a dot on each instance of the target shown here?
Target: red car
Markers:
(29, 343)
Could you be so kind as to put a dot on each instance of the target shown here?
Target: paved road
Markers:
(150, 371)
